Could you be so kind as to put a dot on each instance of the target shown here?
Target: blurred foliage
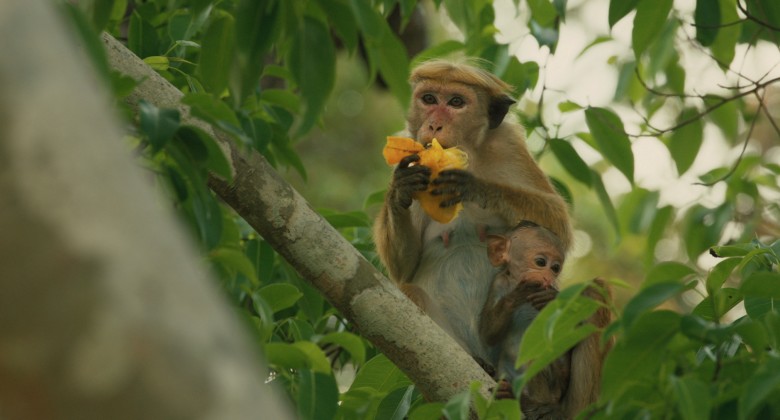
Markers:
(265, 72)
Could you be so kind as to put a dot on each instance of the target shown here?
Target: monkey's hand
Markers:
(541, 298)
(408, 179)
(460, 186)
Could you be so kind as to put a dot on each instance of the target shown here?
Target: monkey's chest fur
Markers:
(456, 274)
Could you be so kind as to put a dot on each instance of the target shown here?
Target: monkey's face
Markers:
(450, 112)
(534, 259)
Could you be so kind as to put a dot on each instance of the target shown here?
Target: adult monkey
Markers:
(443, 267)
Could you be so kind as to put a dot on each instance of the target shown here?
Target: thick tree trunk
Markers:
(105, 310)
(383, 315)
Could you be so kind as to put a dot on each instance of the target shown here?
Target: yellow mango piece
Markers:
(437, 159)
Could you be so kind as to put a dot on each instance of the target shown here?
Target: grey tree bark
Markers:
(383, 315)
(105, 310)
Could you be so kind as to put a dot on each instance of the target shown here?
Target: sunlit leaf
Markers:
(685, 141)
(668, 271)
(648, 23)
(571, 160)
(611, 138)
(724, 46)
(280, 295)
(619, 8)
(648, 298)
(720, 273)
(396, 405)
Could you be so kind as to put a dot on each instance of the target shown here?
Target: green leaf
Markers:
(257, 25)
(767, 12)
(393, 63)
(656, 231)
(759, 388)
(285, 356)
(571, 160)
(506, 409)
(522, 76)
(723, 48)
(620, 8)
(720, 273)
(693, 398)
(668, 272)
(726, 117)
(719, 302)
(280, 295)
(762, 284)
(216, 54)
(236, 260)
(342, 20)
(606, 203)
(441, 49)
(158, 62)
(396, 405)
(685, 141)
(648, 298)
(211, 109)
(380, 374)
(216, 161)
(543, 12)
(648, 23)
(457, 407)
(640, 354)
(347, 220)
(428, 411)
(282, 98)
(707, 19)
(370, 21)
(611, 138)
(316, 359)
(349, 342)
(569, 106)
(158, 124)
(317, 395)
(142, 38)
(556, 329)
(312, 61)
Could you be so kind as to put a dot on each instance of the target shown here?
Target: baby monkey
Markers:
(533, 258)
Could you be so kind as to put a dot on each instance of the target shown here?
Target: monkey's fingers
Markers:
(408, 160)
(504, 391)
(540, 299)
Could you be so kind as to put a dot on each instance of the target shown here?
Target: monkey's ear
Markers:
(497, 110)
(498, 249)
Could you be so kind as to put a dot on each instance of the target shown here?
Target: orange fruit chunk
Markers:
(437, 159)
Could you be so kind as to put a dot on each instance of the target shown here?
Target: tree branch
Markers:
(383, 315)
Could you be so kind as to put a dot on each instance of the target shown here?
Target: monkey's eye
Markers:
(540, 261)
(556, 268)
(428, 99)
(456, 102)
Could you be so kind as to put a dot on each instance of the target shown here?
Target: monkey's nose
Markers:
(435, 129)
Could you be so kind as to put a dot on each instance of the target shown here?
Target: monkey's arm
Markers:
(398, 240)
(498, 312)
(513, 204)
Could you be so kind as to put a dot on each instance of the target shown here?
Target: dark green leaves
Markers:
(312, 61)
(216, 56)
(707, 18)
(611, 139)
(619, 8)
(158, 124)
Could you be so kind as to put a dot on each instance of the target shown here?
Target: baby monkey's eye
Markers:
(540, 261)
(556, 268)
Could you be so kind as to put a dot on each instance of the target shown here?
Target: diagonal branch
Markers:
(383, 315)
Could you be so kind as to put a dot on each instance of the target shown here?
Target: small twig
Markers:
(767, 25)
